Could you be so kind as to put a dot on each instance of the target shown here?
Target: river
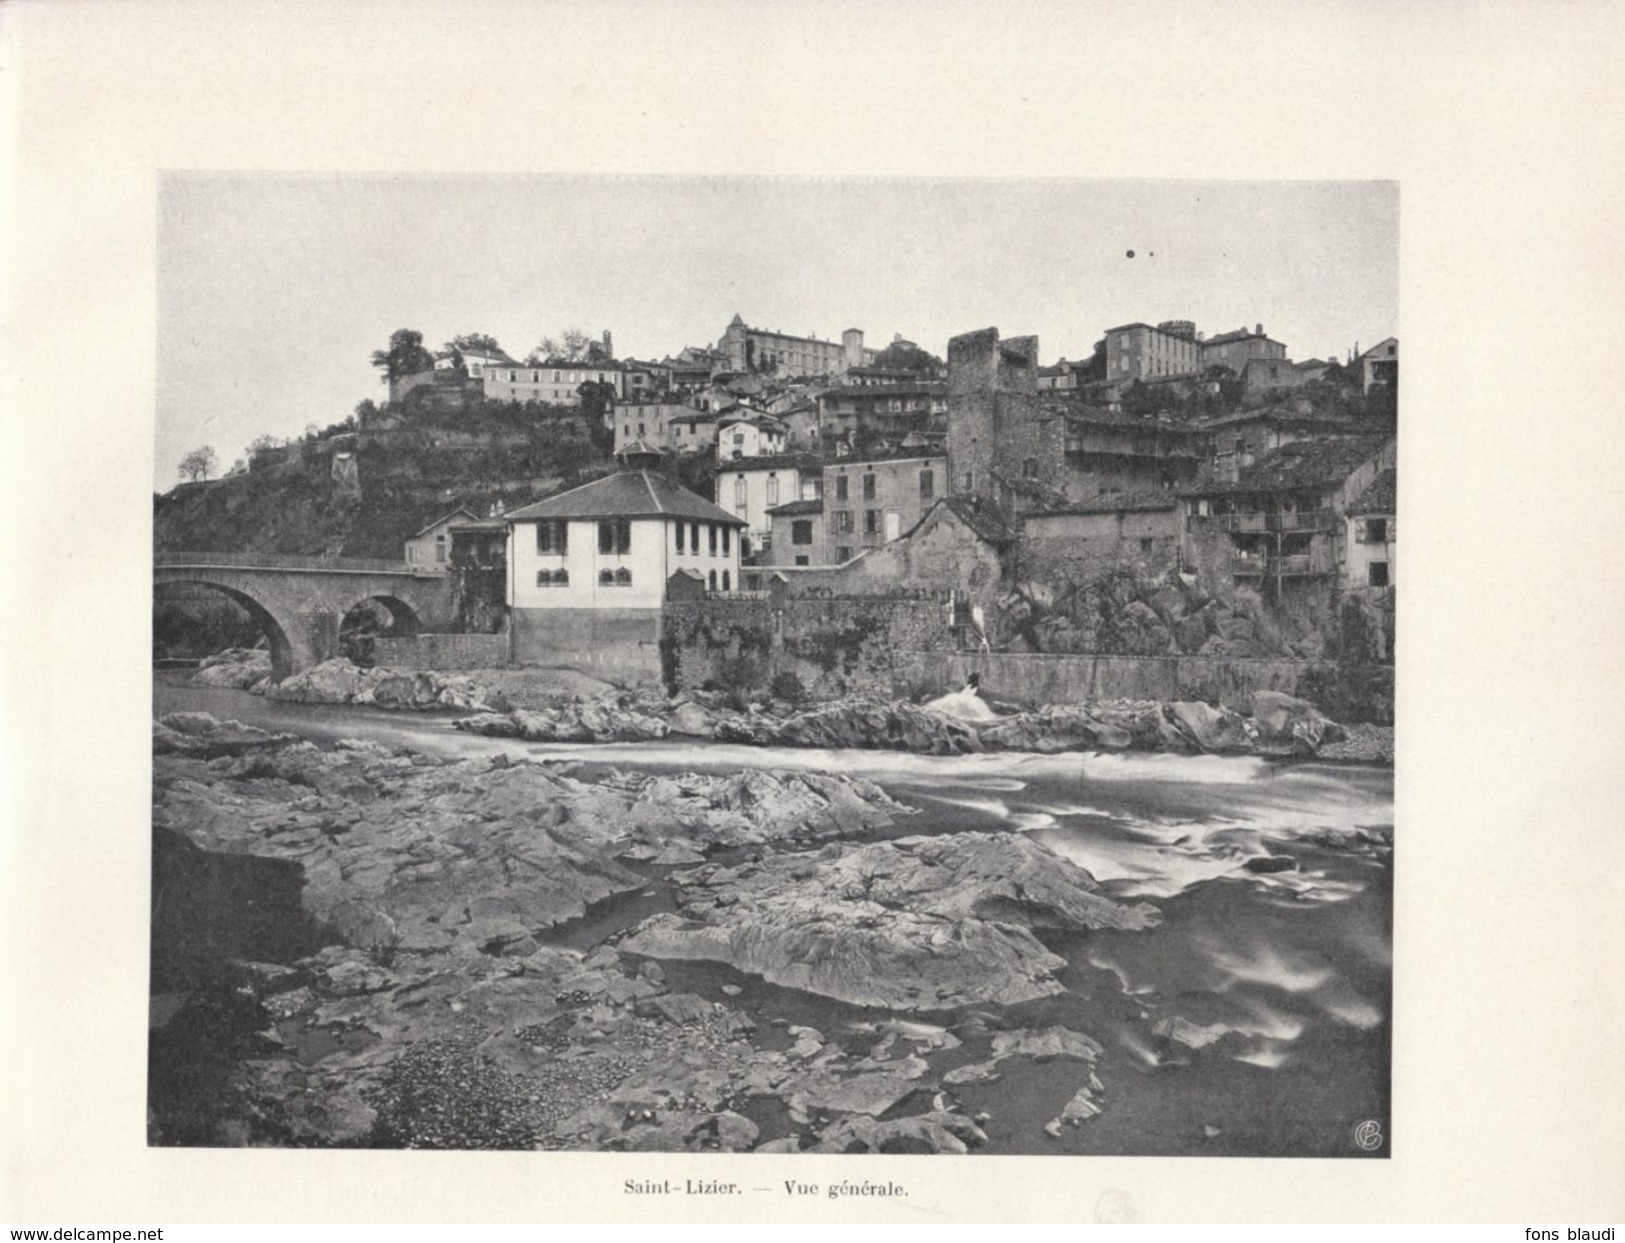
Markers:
(1297, 963)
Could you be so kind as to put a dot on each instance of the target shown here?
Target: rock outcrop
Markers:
(918, 923)
(236, 667)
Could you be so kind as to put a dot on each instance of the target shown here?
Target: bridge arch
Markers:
(284, 659)
(301, 602)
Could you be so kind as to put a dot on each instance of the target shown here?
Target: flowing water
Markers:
(1296, 964)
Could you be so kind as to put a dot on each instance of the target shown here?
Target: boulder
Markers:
(1211, 729)
(236, 667)
(1291, 726)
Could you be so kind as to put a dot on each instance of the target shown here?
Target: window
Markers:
(440, 549)
(561, 578)
(1377, 573)
(727, 534)
(615, 538)
(555, 377)
(544, 578)
(606, 578)
(970, 481)
(739, 492)
(679, 537)
(801, 531)
(928, 485)
(772, 490)
(1376, 530)
(640, 429)
(802, 560)
(711, 538)
(623, 577)
(1145, 543)
(552, 538)
(871, 522)
(1029, 468)
(843, 553)
(840, 487)
(711, 581)
(694, 538)
(868, 487)
(843, 521)
(725, 583)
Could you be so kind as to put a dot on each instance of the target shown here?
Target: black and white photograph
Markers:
(774, 665)
(694, 614)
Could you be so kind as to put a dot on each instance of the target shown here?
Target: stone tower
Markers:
(1003, 444)
(852, 345)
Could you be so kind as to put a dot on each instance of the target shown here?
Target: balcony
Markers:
(1255, 524)
(1293, 565)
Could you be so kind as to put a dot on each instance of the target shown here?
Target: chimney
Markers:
(1260, 330)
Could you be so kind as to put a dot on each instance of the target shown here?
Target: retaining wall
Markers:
(443, 651)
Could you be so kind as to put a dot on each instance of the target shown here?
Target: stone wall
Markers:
(832, 646)
(621, 646)
(1043, 678)
(443, 651)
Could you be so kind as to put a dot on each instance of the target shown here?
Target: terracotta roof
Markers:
(627, 494)
(1380, 497)
(1301, 464)
(794, 508)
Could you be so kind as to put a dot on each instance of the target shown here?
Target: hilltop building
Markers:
(754, 349)
(555, 382)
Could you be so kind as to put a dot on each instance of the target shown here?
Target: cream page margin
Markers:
(1503, 126)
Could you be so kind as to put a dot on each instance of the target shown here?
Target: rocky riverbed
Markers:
(442, 1009)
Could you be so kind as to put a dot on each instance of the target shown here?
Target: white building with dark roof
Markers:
(614, 543)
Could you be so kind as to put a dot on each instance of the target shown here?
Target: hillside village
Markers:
(1176, 493)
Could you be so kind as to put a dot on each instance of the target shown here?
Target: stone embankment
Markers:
(445, 1012)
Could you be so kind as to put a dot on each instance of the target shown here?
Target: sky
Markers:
(274, 290)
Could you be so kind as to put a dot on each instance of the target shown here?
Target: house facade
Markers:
(555, 382)
(749, 487)
(1107, 453)
(1371, 526)
(1236, 349)
(669, 426)
(1380, 365)
(796, 535)
(868, 503)
(589, 570)
(1281, 524)
(1140, 351)
(745, 433)
(430, 548)
(1239, 440)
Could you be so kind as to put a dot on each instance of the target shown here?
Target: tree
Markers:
(474, 341)
(405, 355)
(596, 398)
(570, 346)
(262, 444)
(906, 356)
(198, 465)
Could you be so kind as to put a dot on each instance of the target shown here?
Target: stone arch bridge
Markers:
(300, 601)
